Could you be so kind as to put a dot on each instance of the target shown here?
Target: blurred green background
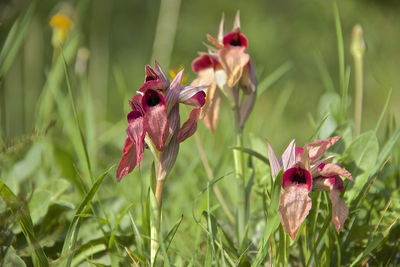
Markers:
(120, 37)
(124, 36)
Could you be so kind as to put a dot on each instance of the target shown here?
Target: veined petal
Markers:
(168, 158)
(246, 107)
(155, 118)
(274, 163)
(161, 74)
(233, 59)
(214, 42)
(188, 94)
(289, 156)
(297, 176)
(330, 169)
(210, 111)
(248, 82)
(152, 80)
(137, 133)
(128, 161)
(317, 148)
(294, 207)
(203, 62)
(190, 126)
(221, 31)
(340, 212)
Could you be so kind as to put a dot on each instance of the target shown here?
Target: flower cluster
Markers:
(228, 67)
(155, 112)
(304, 171)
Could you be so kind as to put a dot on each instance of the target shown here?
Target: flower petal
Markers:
(294, 207)
(137, 133)
(317, 148)
(203, 62)
(246, 107)
(330, 169)
(289, 156)
(248, 82)
(221, 29)
(152, 80)
(210, 111)
(340, 212)
(236, 39)
(155, 118)
(274, 163)
(298, 176)
(128, 161)
(233, 59)
(190, 126)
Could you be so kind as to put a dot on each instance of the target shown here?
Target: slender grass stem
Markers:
(238, 158)
(210, 176)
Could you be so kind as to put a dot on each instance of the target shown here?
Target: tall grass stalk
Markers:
(357, 50)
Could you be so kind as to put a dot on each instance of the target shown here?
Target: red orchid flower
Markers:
(303, 172)
(155, 112)
(228, 67)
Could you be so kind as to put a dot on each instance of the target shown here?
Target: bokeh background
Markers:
(296, 38)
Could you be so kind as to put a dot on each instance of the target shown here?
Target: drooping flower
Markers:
(228, 67)
(155, 113)
(304, 171)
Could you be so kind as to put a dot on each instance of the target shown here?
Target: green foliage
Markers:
(61, 128)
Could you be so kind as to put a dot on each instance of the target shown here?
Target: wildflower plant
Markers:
(229, 71)
(332, 202)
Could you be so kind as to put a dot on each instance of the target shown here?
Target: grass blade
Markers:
(20, 211)
(14, 41)
(73, 229)
(252, 153)
(274, 77)
(85, 149)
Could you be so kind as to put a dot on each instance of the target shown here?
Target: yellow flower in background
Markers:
(61, 25)
(174, 72)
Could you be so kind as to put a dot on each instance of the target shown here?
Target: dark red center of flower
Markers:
(299, 177)
(153, 99)
(235, 41)
(150, 78)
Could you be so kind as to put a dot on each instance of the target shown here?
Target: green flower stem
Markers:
(238, 158)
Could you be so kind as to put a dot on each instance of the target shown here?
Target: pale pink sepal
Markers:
(289, 156)
(274, 163)
(339, 210)
(330, 169)
(294, 207)
(317, 148)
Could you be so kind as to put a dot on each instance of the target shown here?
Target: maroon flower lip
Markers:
(235, 39)
(298, 176)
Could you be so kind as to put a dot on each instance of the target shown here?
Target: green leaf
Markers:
(21, 212)
(73, 230)
(12, 259)
(361, 157)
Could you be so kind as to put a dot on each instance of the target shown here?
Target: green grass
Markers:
(61, 129)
